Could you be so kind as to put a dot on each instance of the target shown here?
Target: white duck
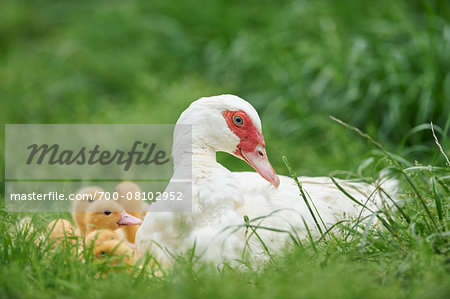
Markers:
(221, 198)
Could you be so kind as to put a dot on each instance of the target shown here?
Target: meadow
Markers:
(380, 66)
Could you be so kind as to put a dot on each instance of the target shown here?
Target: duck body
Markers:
(221, 199)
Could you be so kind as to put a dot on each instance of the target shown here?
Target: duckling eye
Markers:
(90, 199)
(102, 253)
(238, 121)
(107, 212)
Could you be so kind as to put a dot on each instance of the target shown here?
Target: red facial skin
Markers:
(248, 134)
(251, 145)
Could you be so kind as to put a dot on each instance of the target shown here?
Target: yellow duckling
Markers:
(106, 214)
(97, 237)
(59, 230)
(116, 249)
(80, 207)
(127, 198)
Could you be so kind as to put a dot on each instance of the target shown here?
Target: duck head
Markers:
(229, 124)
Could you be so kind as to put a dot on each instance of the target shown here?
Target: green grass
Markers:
(406, 255)
(382, 66)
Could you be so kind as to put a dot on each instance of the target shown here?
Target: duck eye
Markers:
(107, 212)
(238, 120)
(90, 199)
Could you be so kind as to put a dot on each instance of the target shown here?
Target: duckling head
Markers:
(97, 237)
(128, 198)
(60, 228)
(87, 195)
(105, 214)
(115, 249)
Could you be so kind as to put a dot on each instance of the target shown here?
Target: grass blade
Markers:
(294, 176)
(308, 231)
(439, 145)
(266, 249)
(348, 195)
(438, 201)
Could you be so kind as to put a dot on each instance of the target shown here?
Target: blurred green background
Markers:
(383, 66)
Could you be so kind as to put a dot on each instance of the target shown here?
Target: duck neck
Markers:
(189, 150)
(195, 156)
